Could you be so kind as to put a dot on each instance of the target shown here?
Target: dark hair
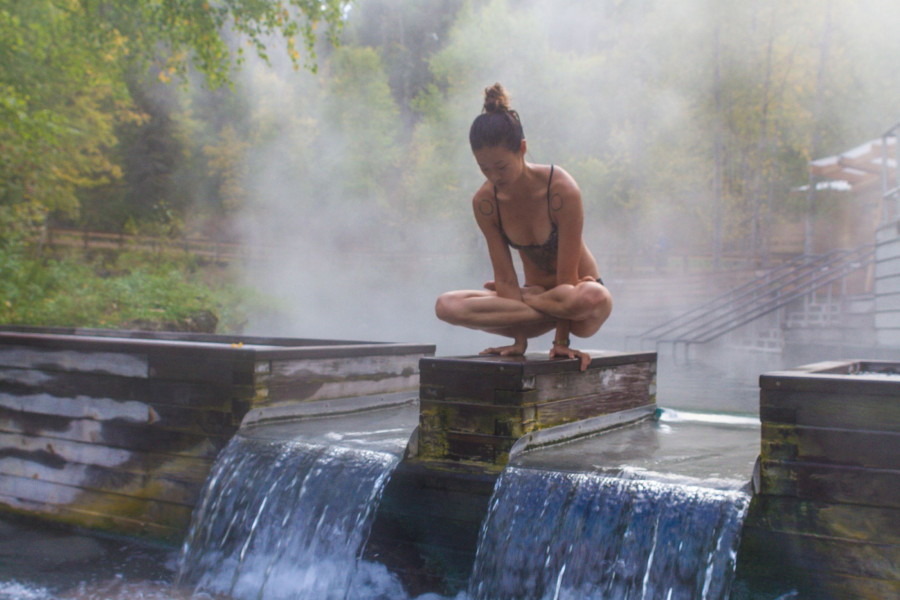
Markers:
(498, 124)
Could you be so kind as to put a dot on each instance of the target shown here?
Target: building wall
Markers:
(887, 285)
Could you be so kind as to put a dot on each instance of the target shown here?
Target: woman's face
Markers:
(499, 164)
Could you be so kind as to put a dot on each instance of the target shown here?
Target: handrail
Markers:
(772, 278)
(753, 298)
(826, 274)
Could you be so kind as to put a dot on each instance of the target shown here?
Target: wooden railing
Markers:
(617, 264)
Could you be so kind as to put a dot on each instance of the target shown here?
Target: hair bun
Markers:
(496, 100)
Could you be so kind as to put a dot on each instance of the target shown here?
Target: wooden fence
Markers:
(619, 264)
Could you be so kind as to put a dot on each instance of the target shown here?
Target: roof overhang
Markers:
(862, 167)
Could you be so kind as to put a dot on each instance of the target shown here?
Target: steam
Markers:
(591, 80)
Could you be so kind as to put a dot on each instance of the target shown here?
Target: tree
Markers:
(65, 64)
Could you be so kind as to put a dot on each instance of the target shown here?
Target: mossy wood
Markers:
(827, 512)
(118, 430)
(476, 408)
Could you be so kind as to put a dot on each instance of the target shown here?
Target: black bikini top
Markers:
(542, 255)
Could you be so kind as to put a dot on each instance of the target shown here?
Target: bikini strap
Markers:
(497, 206)
(549, 181)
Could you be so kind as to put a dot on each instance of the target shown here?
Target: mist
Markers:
(359, 187)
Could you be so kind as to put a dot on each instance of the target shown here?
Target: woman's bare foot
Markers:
(516, 349)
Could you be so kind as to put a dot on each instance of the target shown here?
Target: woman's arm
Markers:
(567, 211)
(506, 281)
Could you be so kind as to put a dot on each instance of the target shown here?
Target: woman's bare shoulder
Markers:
(563, 182)
(483, 200)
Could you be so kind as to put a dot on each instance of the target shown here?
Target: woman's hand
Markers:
(558, 351)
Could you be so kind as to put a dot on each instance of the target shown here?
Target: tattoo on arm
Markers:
(556, 202)
(486, 207)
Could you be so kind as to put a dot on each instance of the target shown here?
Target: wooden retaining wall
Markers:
(118, 430)
(826, 517)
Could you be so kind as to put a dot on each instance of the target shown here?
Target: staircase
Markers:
(763, 295)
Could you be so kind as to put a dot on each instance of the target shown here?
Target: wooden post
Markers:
(477, 408)
(825, 519)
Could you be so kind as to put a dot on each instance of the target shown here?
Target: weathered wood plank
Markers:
(629, 381)
(36, 414)
(122, 435)
(568, 410)
(109, 363)
(210, 396)
(853, 522)
(112, 523)
(58, 454)
(492, 449)
(443, 384)
(830, 409)
(772, 564)
(145, 517)
(73, 479)
(836, 380)
(849, 447)
(838, 556)
(319, 379)
(479, 418)
(313, 391)
(190, 365)
(831, 483)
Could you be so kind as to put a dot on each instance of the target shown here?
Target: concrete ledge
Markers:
(326, 408)
(579, 429)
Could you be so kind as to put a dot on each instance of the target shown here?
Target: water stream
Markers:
(560, 535)
(284, 520)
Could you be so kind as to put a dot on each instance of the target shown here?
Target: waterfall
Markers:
(563, 535)
(285, 519)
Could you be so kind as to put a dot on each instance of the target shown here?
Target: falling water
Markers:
(552, 534)
(285, 520)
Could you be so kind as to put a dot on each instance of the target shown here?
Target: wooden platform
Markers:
(826, 517)
(118, 430)
(476, 408)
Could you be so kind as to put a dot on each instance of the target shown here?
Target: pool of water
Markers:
(719, 449)
(41, 562)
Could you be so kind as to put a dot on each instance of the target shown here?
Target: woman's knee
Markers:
(600, 297)
(593, 298)
(447, 307)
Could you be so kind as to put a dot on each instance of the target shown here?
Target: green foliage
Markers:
(130, 290)
(66, 64)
